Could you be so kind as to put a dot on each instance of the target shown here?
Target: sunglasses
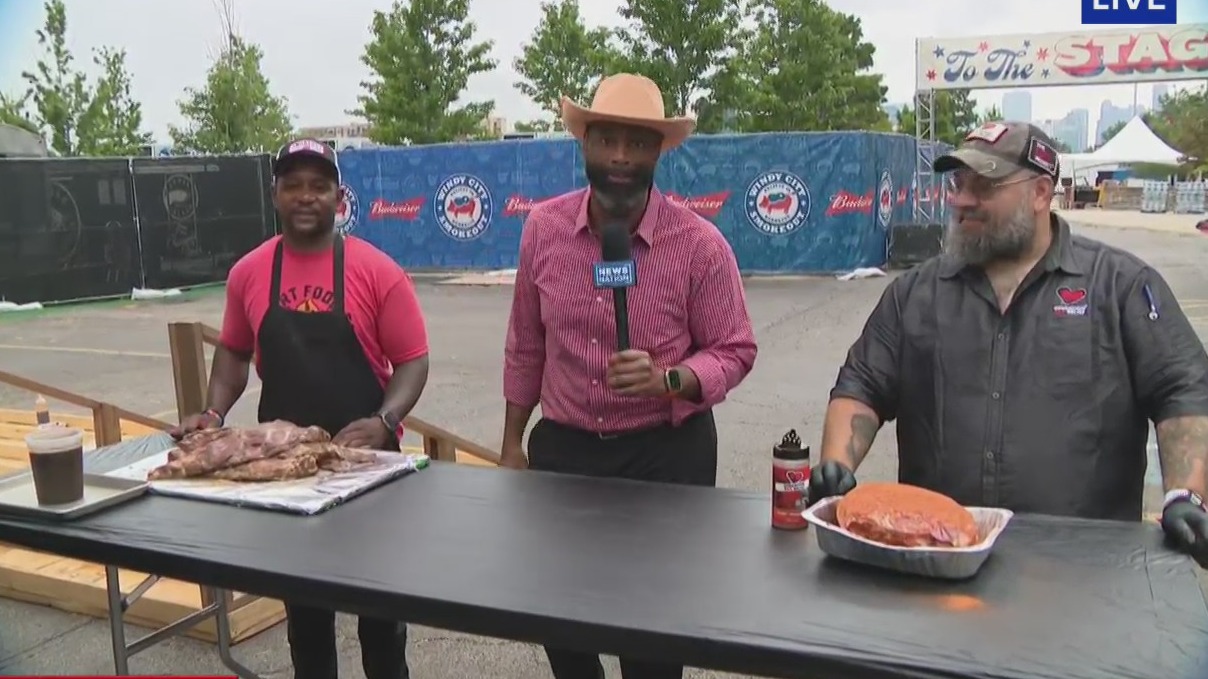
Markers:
(981, 187)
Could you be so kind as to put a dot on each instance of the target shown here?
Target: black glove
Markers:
(1186, 526)
(829, 479)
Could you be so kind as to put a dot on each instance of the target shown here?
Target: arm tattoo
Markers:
(863, 431)
(1183, 452)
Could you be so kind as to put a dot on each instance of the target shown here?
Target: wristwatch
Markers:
(672, 381)
(389, 420)
(1180, 494)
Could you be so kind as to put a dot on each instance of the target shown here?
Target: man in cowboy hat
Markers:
(644, 413)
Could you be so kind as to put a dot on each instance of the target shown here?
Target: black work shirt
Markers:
(1043, 408)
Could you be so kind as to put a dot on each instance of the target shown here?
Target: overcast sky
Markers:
(313, 47)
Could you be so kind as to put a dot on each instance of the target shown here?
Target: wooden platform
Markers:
(15, 424)
(465, 458)
(462, 457)
(79, 587)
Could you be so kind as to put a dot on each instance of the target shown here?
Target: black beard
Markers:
(619, 199)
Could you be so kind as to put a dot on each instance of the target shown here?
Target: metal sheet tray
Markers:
(17, 497)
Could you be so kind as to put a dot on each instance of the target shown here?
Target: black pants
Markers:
(685, 454)
(312, 644)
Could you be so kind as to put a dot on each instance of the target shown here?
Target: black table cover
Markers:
(681, 573)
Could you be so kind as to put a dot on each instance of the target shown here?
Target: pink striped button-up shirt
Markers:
(687, 308)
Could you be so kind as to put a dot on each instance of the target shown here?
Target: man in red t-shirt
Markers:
(339, 341)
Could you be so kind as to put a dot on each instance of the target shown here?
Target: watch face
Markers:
(673, 380)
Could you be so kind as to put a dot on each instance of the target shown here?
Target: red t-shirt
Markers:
(379, 299)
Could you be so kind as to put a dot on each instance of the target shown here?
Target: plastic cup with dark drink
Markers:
(56, 460)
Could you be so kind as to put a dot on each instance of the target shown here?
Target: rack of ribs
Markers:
(271, 451)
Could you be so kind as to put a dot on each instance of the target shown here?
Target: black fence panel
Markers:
(272, 223)
(198, 216)
(67, 230)
(912, 243)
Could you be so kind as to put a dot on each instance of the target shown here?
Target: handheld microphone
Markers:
(618, 272)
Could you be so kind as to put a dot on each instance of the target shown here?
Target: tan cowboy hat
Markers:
(631, 100)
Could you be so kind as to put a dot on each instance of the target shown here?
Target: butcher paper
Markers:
(310, 495)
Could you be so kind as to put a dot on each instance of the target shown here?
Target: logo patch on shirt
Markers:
(1072, 302)
(307, 299)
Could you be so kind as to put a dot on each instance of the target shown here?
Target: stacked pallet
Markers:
(79, 587)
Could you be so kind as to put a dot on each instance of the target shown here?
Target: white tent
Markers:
(1134, 143)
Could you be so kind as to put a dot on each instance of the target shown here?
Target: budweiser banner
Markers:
(801, 202)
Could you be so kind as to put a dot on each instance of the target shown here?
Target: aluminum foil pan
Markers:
(949, 563)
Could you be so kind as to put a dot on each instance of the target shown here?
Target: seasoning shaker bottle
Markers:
(790, 483)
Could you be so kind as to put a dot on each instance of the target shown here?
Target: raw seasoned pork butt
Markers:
(902, 515)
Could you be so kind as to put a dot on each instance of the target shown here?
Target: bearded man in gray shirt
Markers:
(1023, 364)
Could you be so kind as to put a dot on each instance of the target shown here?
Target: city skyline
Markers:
(1074, 128)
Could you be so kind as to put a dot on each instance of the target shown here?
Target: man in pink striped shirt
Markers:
(643, 413)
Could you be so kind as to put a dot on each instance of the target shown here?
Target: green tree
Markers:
(537, 126)
(954, 114)
(990, 115)
(57, 93)
(422, 55)
(804, 67)
(1112, 130)
(679, 44)
(111, 122)
(563, 57)
(12, 112)
(75, 117)
(235, 111)
(1181, 120)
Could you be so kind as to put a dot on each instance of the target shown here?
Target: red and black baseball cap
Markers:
(306, 150)
(1000, 149)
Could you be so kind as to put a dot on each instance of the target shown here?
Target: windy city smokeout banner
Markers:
(1084, 57)
(802, 202)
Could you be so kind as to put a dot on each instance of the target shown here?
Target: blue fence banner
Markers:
(786, 202)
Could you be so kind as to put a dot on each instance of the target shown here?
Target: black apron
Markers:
(313, 371)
